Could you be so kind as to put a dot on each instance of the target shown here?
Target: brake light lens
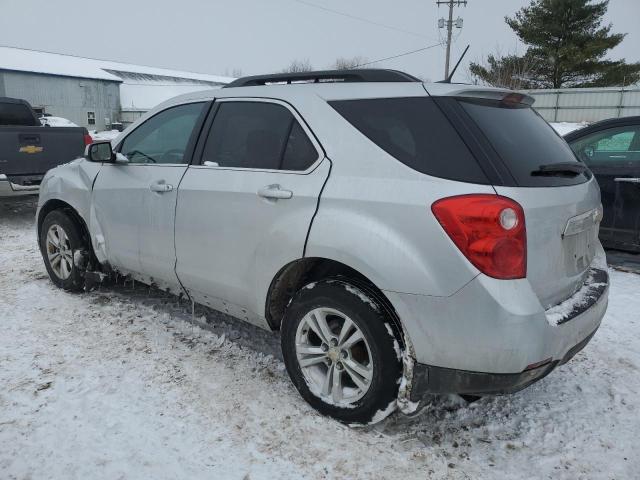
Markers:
(489, 230)
(87, 139)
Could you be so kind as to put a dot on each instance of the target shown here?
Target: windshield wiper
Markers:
(562, 169)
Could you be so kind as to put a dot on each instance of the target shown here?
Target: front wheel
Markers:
(340, 352)
(63, 250)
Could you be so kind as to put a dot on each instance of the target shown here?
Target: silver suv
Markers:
(404, 238)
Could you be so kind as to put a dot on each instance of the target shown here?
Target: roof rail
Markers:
(326, 76)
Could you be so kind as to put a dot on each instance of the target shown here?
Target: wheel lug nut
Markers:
(344, 354)
(334, 342)
(324, 347)
(339, 366)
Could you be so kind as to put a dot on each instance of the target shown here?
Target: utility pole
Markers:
(450, 23)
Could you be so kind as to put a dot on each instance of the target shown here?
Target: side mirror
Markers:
(99, 152)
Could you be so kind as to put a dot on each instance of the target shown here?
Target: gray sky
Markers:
(259, 36)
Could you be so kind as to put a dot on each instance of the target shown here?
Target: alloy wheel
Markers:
(59, 252)
(334, 356)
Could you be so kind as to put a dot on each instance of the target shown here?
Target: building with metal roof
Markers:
(90, 92)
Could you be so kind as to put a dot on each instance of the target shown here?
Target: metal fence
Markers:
(586, 104)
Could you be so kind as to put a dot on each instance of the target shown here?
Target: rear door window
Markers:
(415, 132)
(258, 135)
(523, 141)
(299, 153)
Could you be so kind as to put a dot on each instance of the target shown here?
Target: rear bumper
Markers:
(429, 379)
(10, 189)
(496, 327)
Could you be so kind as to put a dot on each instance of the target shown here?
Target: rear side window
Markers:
(16, 114)
(523, 140)
(258, 135)
(415, 132)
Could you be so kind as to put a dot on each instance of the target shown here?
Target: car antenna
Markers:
(448, 79)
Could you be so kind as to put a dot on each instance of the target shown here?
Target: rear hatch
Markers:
(531, 164)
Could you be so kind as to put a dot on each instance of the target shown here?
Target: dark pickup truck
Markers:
(28, 150)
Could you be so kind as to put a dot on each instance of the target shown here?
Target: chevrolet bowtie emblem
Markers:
(30, 149)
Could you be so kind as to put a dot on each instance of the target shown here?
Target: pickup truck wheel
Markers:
(340, 352)
(61, 242)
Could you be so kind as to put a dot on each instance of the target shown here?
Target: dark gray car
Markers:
(611, 149)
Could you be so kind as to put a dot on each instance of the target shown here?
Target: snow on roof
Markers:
(25, 60)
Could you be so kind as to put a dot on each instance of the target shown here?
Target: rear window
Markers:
(16, 114)
(415, 132)
(523, 140)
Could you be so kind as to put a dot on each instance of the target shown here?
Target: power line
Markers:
(361, 19)
(399, 55)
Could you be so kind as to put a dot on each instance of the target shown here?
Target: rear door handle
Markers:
(160, 186)
(627, 180)
(275, 192)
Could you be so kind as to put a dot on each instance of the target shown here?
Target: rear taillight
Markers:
(489, 230)
(87, 139)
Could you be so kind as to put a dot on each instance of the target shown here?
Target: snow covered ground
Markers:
(117, 383)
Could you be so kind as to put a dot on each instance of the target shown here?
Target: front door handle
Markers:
(275, 192)
(627, 180)
(160, 186)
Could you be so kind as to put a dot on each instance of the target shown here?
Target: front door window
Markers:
(163, 138)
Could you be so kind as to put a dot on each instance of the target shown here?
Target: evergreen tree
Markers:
(567, 44)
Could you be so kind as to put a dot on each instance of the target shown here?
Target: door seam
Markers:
(306, 240)
(175, 250)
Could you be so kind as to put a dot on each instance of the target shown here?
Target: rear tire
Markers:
(64, 250)
(340, 352)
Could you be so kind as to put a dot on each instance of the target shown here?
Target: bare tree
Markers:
(344, 63)
(299, 66)
(506, 71)
(235, 72)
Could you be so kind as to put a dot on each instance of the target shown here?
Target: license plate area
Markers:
(579, 250)
(579, 241)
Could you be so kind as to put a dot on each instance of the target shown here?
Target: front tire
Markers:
(340, 352)
(63, 250)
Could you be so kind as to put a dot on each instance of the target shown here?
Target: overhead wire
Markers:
(399, 55)
(362, 19)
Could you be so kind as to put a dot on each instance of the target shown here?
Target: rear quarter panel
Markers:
(375, 215)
